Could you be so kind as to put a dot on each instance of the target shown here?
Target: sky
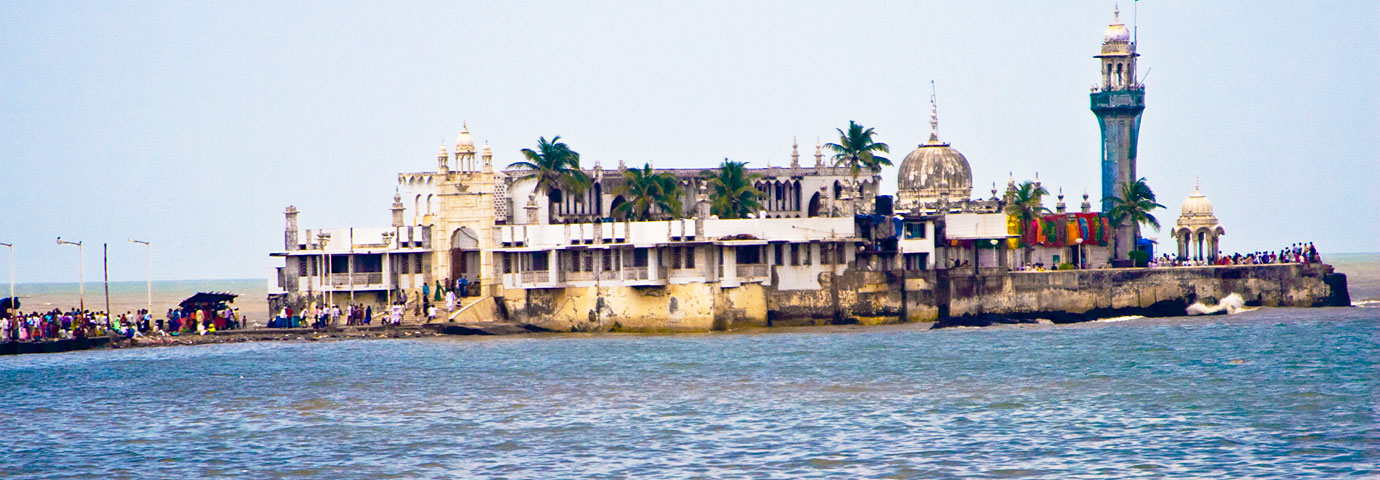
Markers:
(194, 124)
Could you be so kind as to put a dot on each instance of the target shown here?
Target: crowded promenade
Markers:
(66, 325)
(1304, 253)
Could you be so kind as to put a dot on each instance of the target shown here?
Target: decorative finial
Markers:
(464, 126)
(795, 153)
(1116, 13)
(1195, 184)
(934, 111)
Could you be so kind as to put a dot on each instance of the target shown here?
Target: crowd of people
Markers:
(328, 316)
(60, 325)
(451, 293)
(1301, 252)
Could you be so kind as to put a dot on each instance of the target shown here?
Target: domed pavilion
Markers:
(1197, 230)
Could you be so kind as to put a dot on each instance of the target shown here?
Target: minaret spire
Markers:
(795, 153)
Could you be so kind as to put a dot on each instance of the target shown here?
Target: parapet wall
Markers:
(1081, 291)
(868, 297)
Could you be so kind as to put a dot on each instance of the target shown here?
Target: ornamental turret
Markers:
(443, 161)
(795, 154)
(464, 150)
(488, 158)
(397, 209)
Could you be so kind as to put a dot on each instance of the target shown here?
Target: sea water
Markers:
(1268, 393)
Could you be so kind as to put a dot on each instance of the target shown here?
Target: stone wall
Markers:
(869, 297)
(697, 307)
(1081, 291)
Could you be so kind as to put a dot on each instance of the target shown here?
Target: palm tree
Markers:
(1134, 202)
(1026, 204)
(732, 194)
(857, 150)
(649, 195)
(554, 165)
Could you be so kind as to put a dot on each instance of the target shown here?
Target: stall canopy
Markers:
(211, 300)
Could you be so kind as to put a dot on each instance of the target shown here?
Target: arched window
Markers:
(417, 210)
(598, 199)
(795, 189)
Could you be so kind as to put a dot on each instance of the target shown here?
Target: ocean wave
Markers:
(1230, 305)
(1368, 303)
(1120, 319)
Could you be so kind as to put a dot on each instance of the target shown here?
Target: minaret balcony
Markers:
(1129, 101)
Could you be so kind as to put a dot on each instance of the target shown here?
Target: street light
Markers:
(149, 249)
(12, 299)
(81, 271)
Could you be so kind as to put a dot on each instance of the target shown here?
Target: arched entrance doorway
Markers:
(813, 210)
(464, 256)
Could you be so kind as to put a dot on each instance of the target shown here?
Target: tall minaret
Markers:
(1118, 102)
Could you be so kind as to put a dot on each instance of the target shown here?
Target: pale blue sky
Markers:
(194, 124)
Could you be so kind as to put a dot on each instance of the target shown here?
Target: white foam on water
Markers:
(1231, 305)
(1369, 303)
(1120, 319)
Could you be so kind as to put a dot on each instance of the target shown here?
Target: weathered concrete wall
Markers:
(696, 307)
(867, 297)
(1079, 291)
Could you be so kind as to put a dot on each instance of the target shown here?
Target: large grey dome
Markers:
(932, 170)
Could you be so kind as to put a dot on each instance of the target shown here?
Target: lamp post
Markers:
(81, 272)
(322, 239)
(149, 263)
(12, 299)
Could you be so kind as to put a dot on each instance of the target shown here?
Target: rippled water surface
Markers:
(1286, 393)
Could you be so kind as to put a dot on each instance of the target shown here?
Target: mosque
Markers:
(822, 237)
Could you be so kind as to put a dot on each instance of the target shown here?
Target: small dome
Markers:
(932, 170)
(464, 143)
(443, 152)
(1197, 205)
(1116, 32)
(488, 152)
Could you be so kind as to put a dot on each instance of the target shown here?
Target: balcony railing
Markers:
(752, 270)
(635, 273)
(538, 276)
(345, 279)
